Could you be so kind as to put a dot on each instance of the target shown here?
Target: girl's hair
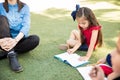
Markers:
(20, 5)
(89, 15)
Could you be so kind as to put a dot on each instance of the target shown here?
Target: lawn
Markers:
(53, 27)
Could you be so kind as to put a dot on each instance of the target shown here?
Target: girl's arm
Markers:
(74, 48)
(77, 43)
(92, 43)
(91, 46)
(101, 61)
(113, 76)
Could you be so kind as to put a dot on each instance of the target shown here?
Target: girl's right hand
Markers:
(70, 51)
(101, 61)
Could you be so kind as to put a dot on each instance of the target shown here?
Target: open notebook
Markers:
(71, 59)
(84, 71)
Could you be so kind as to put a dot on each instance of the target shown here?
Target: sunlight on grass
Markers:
(47, 9)
(112, 16)
(55, 13)
(115, 39)
(101, 5)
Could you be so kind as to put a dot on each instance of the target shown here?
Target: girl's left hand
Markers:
(84, 58)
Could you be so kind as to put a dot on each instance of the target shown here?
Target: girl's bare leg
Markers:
(74, 38)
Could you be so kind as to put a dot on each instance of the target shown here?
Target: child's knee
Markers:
(68, 41)
(71, 42)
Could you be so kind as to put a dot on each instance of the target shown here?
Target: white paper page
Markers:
(66, 56)
(63, 56)
(74, 60)
(74, 56)
(84, 71)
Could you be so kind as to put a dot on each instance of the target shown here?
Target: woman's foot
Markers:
(14, 64)
(63, 46)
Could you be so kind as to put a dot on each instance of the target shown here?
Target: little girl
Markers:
(87, 36)
(112, 72)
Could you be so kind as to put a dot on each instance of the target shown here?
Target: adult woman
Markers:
(14, 28)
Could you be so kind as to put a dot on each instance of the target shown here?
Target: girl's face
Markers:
(82, 22)
(116, 58)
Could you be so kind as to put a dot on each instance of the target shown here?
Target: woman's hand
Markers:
(3, 43)
(8, 44)
(97, 73)
(84, 58)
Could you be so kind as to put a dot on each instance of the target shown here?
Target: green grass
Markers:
(116, 2)
(53, 27)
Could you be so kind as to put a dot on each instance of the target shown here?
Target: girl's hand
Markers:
(96, 73)
(84, 58)
(70, 51)
(101, 61)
